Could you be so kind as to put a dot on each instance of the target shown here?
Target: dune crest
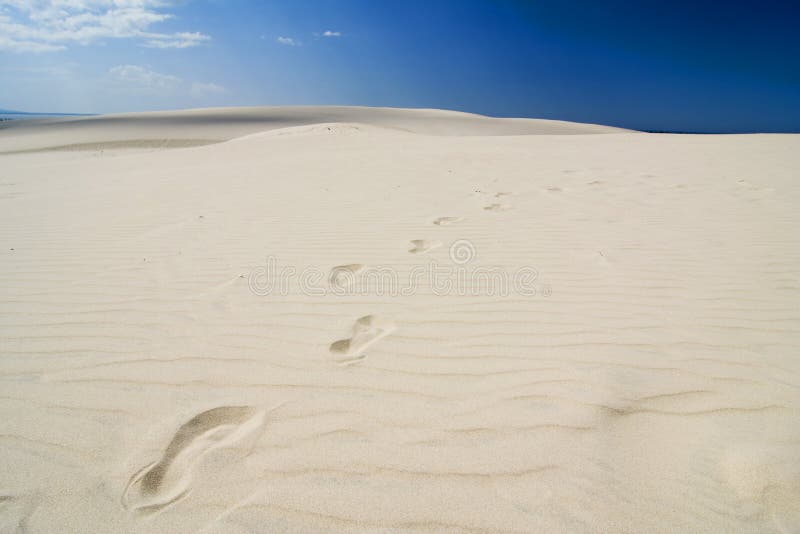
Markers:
(196, 127)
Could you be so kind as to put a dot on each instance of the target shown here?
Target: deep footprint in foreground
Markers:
(366, 331)
(444, 221)
(497, 207)
(421, 246)
(168, 480)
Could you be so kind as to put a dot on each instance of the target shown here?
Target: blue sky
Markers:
(687, 66)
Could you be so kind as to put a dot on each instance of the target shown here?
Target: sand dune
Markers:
(246, 336)
(175, 129)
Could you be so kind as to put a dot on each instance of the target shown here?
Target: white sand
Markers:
(652, 383)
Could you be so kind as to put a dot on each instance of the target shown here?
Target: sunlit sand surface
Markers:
(629, 364)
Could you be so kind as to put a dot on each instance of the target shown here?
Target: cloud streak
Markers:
(203, 90)
(53, 25)
(141, 79)
(288, 41)
(138, 77)
(178, 40)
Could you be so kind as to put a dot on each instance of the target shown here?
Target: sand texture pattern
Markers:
(616, 350)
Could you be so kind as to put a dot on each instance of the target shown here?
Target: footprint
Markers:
(444, 221)
(753, 187)
(344, 276)
(168, 480)
(421, 246)
(502, 194)
(554, 189)
(366, 331)
(498, 207)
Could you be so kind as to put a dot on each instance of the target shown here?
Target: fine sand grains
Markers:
(466, 325)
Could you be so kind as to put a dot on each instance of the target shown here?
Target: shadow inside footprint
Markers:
(421, 246)
(165, 482)
(497, 207)
(366, 331)
(444, 221)
(344, 276)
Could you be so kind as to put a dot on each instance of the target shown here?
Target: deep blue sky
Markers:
(681, 66)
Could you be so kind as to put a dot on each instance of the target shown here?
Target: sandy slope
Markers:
(148, 383)
(204, 126)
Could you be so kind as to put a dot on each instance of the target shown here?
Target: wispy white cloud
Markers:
(24, 45)
(329, 33)
(202, 90)
(52, 25)
(178, 40)
(288, 41)
(138, 77)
